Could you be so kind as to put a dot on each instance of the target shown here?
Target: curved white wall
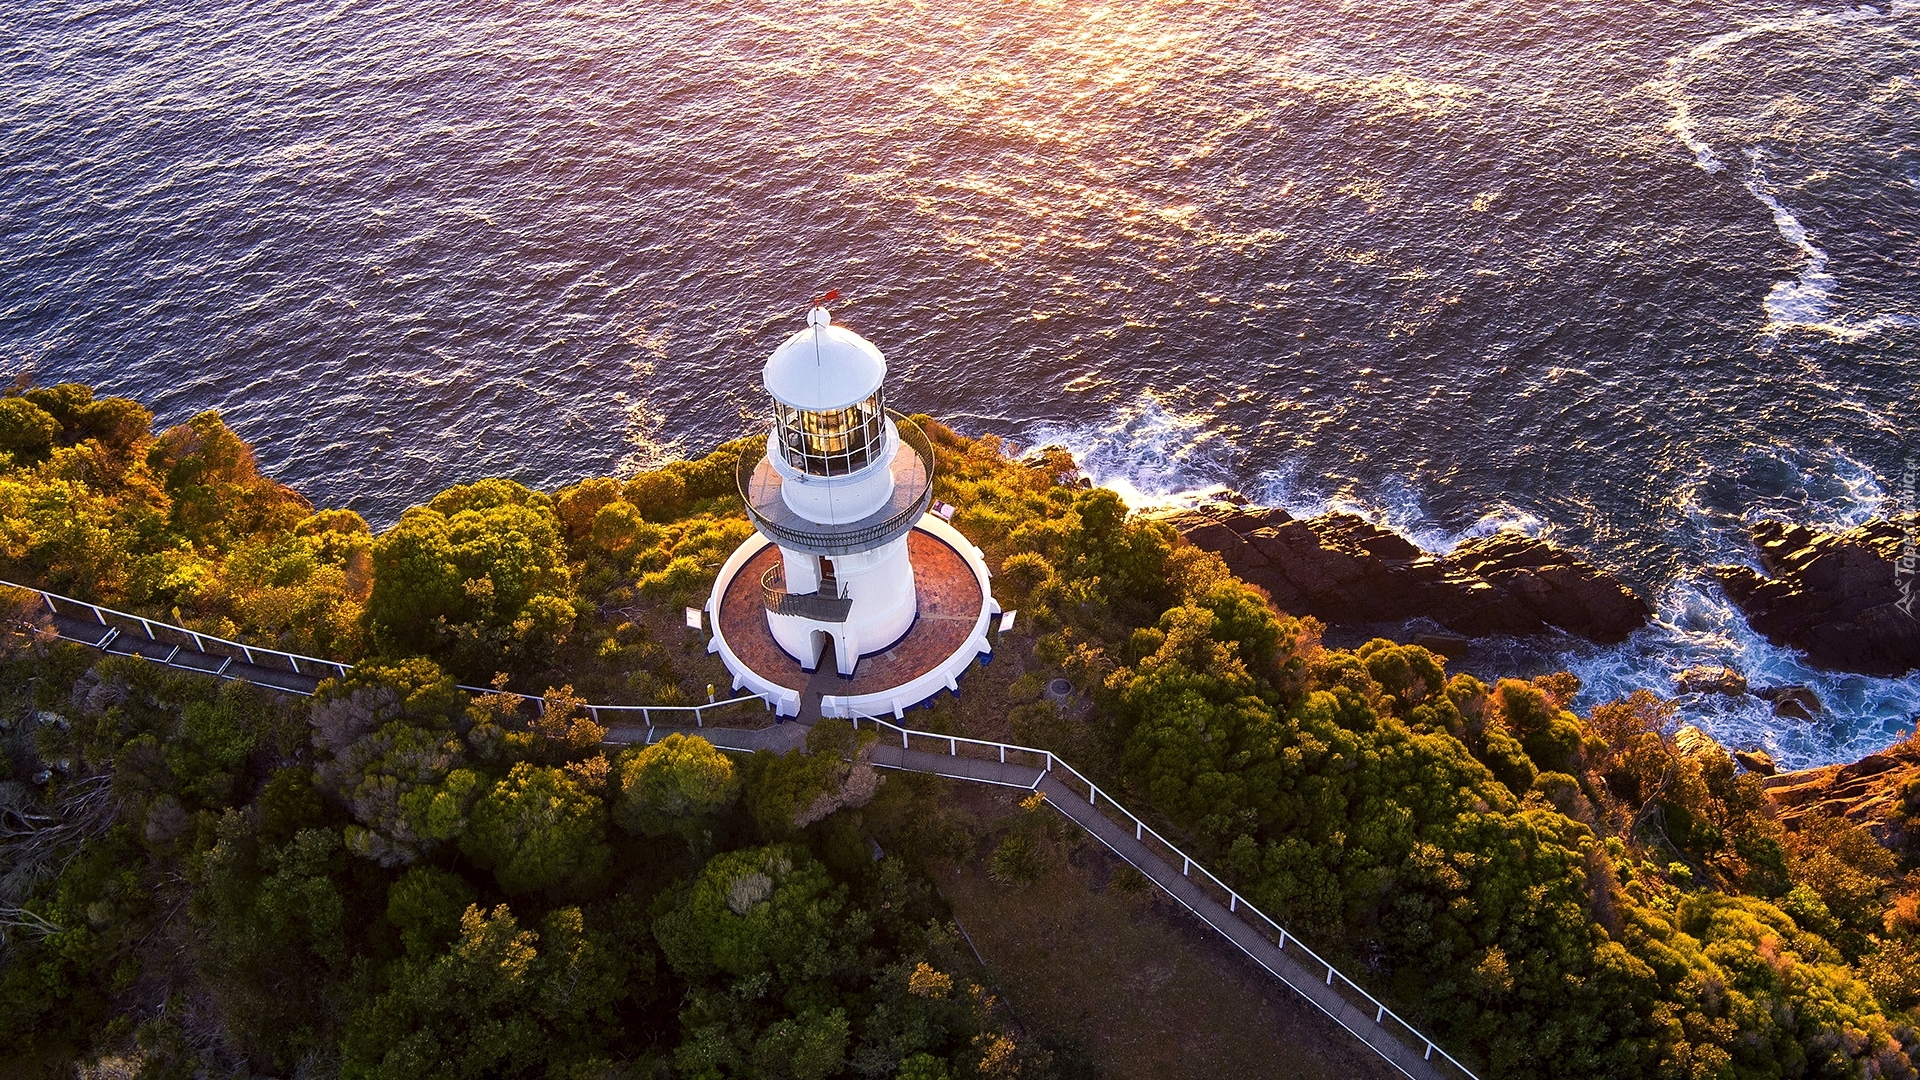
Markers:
(896, 700)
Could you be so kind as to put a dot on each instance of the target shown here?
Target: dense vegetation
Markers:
(401, 878)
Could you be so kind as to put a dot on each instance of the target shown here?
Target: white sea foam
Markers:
(1803, 302)
(1821, 487)
(1396, 504)
(1153, 453)
(1806, 302)
(1696, 625)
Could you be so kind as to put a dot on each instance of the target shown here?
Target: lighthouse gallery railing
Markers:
(769, 515)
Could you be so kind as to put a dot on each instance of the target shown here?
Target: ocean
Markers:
(1625, 275)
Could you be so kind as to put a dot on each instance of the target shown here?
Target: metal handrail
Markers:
(818, 606)
(1235, 902)
(334, 668)
(828, 539)
(252, 653)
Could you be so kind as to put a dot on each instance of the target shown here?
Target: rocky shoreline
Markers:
(1833, 595)
(1347, 571)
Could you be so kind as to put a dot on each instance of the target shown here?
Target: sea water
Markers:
(1625, 276)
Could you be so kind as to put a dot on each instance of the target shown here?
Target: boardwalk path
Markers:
(1315, 983)
(1211, 900)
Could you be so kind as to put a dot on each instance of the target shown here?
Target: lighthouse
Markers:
(848, 573)
(837, 491)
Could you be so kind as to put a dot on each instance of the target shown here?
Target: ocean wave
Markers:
(1805, 303)
(1823, 488)
(1152, 452)
(1158, 455)
(1697, 626)
(1396, 504)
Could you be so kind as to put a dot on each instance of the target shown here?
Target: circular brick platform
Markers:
(949, 629)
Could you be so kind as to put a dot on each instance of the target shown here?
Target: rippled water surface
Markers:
(1628, 274)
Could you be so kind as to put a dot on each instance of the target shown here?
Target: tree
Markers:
(217, 491)
(426, 905)
(540, 829)
(501, 1002)
(26, 430)
(766, 911)
(675, 786)
(395, 758)
(479, 576)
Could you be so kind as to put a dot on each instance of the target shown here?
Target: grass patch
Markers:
(1089, 953)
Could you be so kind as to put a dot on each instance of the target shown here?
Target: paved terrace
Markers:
(949, 601)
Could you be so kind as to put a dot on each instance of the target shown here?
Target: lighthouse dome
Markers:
(824, 367)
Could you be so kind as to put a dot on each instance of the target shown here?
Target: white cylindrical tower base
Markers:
(880, 585)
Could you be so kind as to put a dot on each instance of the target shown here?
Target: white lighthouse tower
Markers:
(838, 492)
(846, 561)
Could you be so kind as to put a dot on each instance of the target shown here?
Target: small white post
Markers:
(1137, 827)
(1381, 1013)
(1186, 864)
(903, 739)
(97, 615)
(1283, 940)
(248, 653)
(1233, 901)
(148, 627)
(953, 746)
(1003, 753)
(1329, 974)
(1429, 1054)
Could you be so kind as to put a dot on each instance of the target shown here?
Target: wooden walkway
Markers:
(203, 657)
(1313, 978)
(1317, 985)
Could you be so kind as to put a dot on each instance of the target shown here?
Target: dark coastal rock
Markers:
(1451, 646)
(1344, 570)
(1758, 762)
(1711, 680)
(1792, 702)
(1834, 595)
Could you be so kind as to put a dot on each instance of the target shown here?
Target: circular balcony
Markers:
(760, 490)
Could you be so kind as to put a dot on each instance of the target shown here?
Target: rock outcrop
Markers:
(1711, 680)
(1792, 702)
(1834, 595)
(1880, 792)
(1345, 570)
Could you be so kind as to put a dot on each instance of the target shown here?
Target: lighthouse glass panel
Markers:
(831, 442)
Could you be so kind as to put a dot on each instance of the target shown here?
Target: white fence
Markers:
(177, 639)
(1363, 1004)
(183, 646)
